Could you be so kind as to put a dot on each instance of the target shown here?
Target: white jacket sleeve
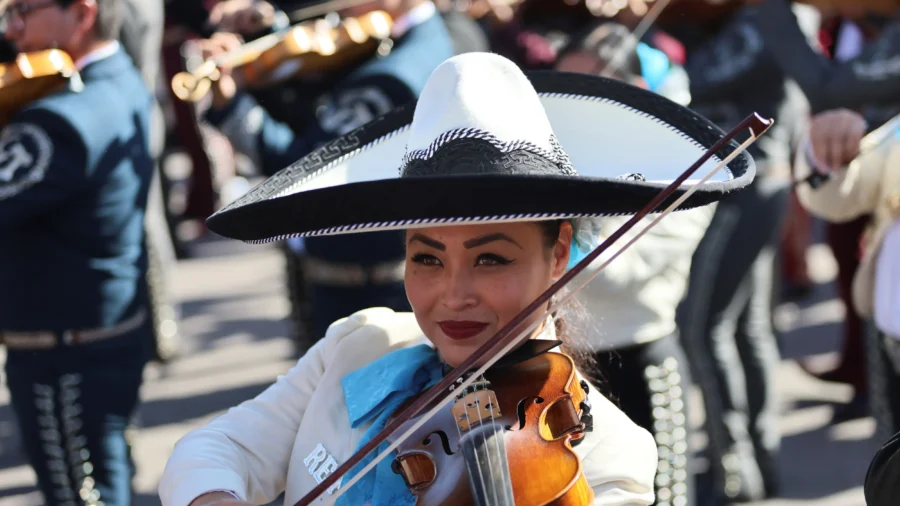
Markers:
(621, 467)
(247, 450)
(851, 192)
(669, 243)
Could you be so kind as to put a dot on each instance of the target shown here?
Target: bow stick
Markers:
(507, 338)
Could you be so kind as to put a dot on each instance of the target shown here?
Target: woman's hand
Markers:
(835, 137)
(218, 499)
(242, 16)
(224, 88)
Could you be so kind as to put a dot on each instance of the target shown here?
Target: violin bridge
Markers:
(474, 408)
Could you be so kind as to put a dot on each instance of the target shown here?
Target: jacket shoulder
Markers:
(369, 334)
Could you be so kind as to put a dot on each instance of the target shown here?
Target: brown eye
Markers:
(428, 260)
(489, 259)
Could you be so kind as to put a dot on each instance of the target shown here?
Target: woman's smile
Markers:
(459, 330)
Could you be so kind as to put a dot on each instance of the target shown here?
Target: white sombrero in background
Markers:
(486, 143)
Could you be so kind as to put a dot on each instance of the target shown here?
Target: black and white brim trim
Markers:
(626, 144)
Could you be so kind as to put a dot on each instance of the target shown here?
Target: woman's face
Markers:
(466, 282)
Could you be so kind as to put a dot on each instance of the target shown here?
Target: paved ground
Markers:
(234, 326)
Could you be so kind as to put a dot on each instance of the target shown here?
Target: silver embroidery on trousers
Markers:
(68, 459)
(669, 430)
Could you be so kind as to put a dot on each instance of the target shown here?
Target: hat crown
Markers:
(483, 92)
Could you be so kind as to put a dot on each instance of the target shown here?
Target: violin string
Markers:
(469, 424)
(493, 436)
(496, 434)
(441, 403)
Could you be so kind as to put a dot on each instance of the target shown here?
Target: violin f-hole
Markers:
(445, 441)
(520, 411)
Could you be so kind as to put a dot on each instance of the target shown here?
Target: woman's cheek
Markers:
(506, 297)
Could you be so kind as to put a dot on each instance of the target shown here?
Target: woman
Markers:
(479, 151)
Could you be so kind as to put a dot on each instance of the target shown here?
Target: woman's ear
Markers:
(561, 250)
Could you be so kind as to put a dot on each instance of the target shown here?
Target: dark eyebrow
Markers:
(480, 241)
(428, 242)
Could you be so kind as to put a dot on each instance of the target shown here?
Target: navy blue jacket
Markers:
(733, 74)
(74, 178)
(376, 87)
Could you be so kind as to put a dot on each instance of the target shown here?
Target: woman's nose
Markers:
(459, 291)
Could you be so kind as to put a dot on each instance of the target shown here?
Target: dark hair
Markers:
(563, 316)
(109, 17)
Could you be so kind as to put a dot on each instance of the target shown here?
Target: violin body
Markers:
(309, 48)
(528, 413)
(30, 77)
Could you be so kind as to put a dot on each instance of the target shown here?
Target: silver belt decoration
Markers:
(322, 272)
(68, 459)
(670, 432)
(46, 340)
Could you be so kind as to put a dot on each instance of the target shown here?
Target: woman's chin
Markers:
(455, 352)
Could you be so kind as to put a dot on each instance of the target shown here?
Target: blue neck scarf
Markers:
(373, 393)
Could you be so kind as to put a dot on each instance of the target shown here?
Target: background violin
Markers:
(32, 76)
(310, 47)
(506, 440)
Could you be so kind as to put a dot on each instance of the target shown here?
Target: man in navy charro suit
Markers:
(348, 273)
(75, 171)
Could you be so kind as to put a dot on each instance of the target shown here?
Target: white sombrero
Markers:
(486, 143)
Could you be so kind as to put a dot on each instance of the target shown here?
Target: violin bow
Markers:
(507, 337)
(323, 8)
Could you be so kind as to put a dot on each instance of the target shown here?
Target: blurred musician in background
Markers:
(726, 319)
(860, 70)
(75, 170)
(640, 362)
(340, 274)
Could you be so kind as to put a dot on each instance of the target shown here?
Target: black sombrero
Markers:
(485, 143)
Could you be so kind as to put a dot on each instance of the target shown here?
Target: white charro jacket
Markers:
(868, 185)
(297, 431)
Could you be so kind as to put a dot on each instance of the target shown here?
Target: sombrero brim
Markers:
(609, 129)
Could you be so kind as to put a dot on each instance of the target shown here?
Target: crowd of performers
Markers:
(94, 224)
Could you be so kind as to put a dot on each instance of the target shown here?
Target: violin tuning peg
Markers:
(585, 387)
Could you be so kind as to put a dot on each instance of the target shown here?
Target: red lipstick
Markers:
(459, 330)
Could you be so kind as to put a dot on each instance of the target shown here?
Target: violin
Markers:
(309, 47)
(32, 76)
(514, 421)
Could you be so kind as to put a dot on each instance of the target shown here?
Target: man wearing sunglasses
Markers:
(75, 169)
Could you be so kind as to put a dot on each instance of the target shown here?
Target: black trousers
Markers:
(726, 327)
(73, 405)
(649, 383)
(883, 364)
